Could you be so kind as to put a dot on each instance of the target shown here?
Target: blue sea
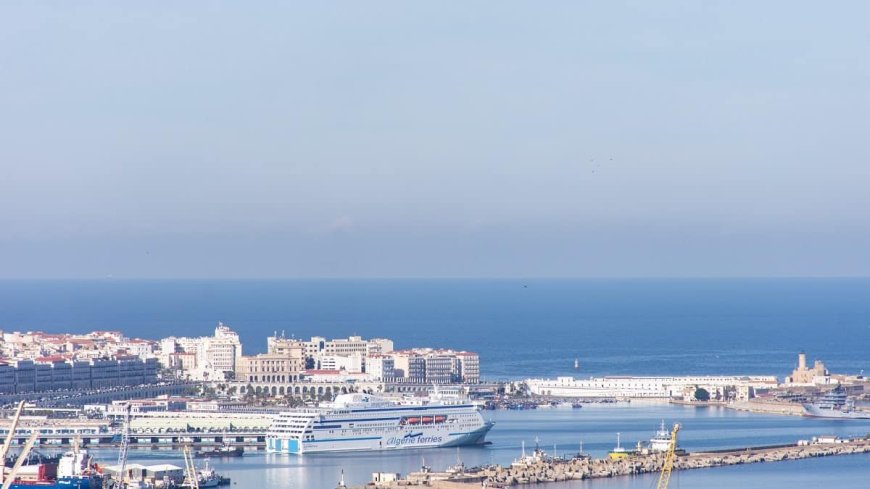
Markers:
(520, 328)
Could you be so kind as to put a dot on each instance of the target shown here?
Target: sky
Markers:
(434, 139)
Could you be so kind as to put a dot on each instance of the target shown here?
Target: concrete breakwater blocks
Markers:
(562, 470)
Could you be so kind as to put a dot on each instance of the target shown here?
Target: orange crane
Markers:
(665, 475)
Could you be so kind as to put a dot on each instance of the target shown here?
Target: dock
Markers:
(557, 470)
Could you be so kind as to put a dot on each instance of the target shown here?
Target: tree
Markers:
(702, 394)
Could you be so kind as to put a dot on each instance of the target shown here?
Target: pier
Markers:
(555, 470)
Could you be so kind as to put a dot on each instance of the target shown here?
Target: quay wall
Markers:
(768, 407)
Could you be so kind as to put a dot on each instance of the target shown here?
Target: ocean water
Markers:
(520, 328)
(561, 431)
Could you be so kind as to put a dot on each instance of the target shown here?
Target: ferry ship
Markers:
(835, 404)
(368, 422)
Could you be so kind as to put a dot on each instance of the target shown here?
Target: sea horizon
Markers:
(520, 327)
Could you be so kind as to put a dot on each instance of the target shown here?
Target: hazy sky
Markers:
(429, 139)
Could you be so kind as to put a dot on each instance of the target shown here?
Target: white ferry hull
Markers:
(356, 422)
(399, 440)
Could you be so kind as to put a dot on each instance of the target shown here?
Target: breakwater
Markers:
(554, 470)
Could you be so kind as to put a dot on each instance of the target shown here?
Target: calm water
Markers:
(520, 328)
(703, 428)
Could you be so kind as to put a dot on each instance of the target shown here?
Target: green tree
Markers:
(702, 394)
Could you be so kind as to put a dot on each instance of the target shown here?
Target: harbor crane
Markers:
(665, 475)
(125, 445)
(191, 480)
(20, 460)
(8, 442)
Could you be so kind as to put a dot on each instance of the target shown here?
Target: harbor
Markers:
(560, 432)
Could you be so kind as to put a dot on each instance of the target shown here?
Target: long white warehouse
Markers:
(646, 387)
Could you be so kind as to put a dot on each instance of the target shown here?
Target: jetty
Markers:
(557, 470)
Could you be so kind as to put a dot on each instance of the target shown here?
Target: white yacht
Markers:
(369, 422)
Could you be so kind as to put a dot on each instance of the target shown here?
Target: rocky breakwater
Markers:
(560, 470)
(701, 460)
(553, 470)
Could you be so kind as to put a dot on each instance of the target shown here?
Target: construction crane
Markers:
(125, 445)
(8, 442)
(20, 460)
(665, 475)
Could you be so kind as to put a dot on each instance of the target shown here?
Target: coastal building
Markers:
(96, 344)
(435, 366)
(274, 371)
(409, 366)
(381, 367)
(212, 358)
(719, 387)
(440, 368)
(353, 363)
(802, 375)
(279, 344)
(344, 347)
(57, 373)
(271, 368)
(469, 367)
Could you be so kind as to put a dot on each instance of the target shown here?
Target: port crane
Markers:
(125, 445)
(665, 475)
(20, 460)
(8, 442)
(191, 480)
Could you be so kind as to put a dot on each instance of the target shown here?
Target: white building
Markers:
(353, 363)
(212, 358)
(381, 367)
(469, 367)
(643, 387)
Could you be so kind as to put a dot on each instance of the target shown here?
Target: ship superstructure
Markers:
(835, 404)
(369, 422)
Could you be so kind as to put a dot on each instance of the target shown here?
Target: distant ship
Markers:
(835, 404)
(367, 422)
(222, 451)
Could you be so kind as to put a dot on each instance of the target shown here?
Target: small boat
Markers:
(221, 451)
